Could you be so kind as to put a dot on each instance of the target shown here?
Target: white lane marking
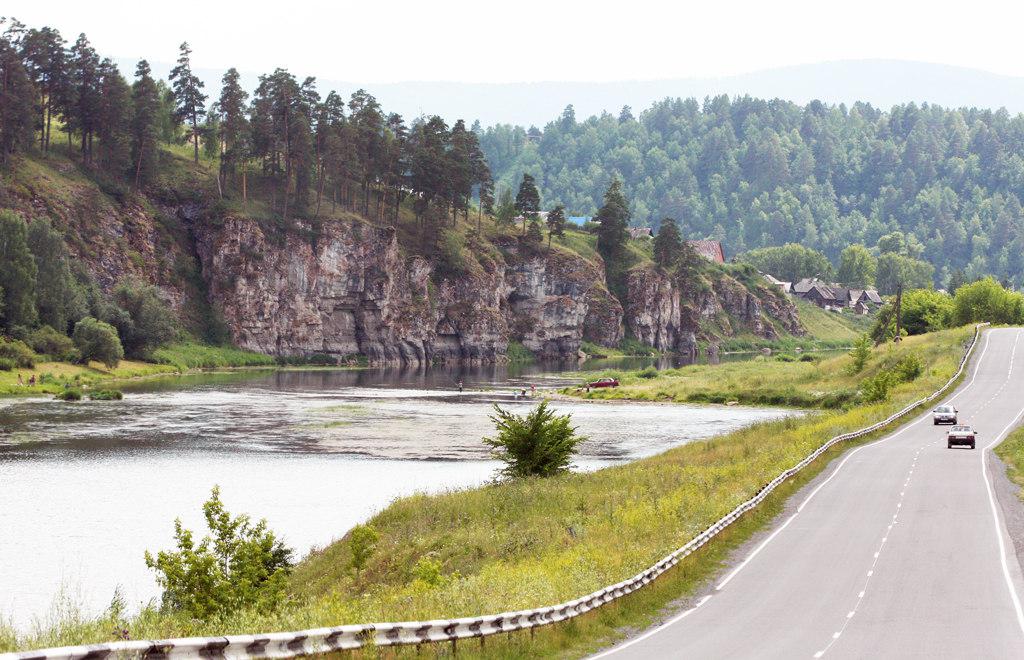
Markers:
(754, 554)
(995, 512)
(616, 649)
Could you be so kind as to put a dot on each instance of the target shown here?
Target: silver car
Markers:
(944, 415)
(961, 435)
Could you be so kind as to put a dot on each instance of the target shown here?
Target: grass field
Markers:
(781, 380)
(831, 326)
(535, 542)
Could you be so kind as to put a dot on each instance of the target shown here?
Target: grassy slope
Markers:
(518, 545)
(1011, 450)
(761, 381)
(831, 326)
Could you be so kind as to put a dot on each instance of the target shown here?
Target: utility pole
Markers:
(899, 312)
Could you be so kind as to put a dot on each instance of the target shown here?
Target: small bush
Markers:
(48, 341)
(106, 395)
(539, 444)
(362, 541)
(785, 357)
(70, 394)
(428, 572)
(6, 364)
(876, 388)
(18, 352)
(908, 368)
(516, 352)
(806, 357)
(648, 373)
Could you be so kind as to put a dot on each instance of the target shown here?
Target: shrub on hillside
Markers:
(143, 320)
(241, 566)
(96, 340)
(6, 364)
(18, 352)
(57, 345)
(538, 444)
(908, 368)
(860, 354)
(876, 388)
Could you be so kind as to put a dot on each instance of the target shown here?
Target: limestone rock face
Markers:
(354, 293)
(673, 315)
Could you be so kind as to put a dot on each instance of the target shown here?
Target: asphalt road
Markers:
(899, 550)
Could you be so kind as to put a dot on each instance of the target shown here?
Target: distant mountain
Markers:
(881, 82)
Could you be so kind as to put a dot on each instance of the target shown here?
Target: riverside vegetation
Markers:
(527, 542)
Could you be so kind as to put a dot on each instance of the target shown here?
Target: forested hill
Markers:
(755, 173)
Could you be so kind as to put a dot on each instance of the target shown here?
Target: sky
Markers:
(529, 40)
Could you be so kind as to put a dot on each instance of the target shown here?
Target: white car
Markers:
(961, 435)
(944, 415)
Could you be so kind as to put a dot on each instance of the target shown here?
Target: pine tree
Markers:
(613, 219)
(17, 97)
(83, 98)
(556, 222)
(527, 199)
(45, 57)
(234, 126)
(667, 244)
(188, 95)
(113, 121)
(486, 200)
(145, 125)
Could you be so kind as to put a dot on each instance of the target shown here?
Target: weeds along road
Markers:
(899, 550)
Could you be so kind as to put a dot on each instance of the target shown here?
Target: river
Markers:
(86, 488)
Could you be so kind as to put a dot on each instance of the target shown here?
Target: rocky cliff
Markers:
(356, 290)
(673, 315)
(355, 293)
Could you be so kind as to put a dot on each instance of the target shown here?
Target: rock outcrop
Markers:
(674, 315)
(355, 293)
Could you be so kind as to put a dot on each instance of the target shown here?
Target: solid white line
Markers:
(754, 554)
(616, 649)
(995, 512)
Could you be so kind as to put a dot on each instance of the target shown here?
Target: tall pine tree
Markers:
(145, 125)
(190, 102)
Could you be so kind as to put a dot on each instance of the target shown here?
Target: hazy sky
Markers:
(529, 40)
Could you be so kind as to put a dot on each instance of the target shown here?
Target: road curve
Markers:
(899, 550)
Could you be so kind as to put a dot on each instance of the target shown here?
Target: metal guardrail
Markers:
(339, 638)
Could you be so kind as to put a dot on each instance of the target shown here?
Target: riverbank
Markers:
(176, 359)
(524, 544)
(803, 380)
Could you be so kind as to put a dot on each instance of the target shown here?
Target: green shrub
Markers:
(860, 354)
(69, 394)
(908, 368)
(427, 571)
(106, 395)
(785, 357)
(362, 541)
(648, 373)
(630, 346)
(539, 444)
(18, 352)
(876, 388)
(143, 319)
(96, 340)
(806, 357)
(6, 364)
(518, 353)
(48, 341)
(240, 566)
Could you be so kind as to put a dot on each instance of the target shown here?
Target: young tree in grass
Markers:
(240, 566)
(667, 244)
(17, 273)
(538, 444)
(527, 199)
(362, 543)
(556, 223)
(190, 102)
(860, 354)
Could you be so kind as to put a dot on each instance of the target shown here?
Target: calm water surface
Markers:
(85, 488)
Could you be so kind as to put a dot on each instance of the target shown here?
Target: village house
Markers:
(710, 250)
(835, 297)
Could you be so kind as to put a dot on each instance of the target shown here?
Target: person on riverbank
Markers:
(460, 387)
(533, 389)
(21, 381)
